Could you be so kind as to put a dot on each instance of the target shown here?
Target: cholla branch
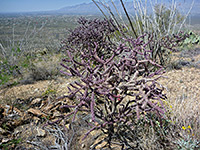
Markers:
(122, 81)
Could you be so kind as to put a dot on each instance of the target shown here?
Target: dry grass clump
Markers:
(186, 114)
(44, 68)
(184, 103)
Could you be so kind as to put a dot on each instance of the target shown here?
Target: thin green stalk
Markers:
(100, 9)
(129, 19)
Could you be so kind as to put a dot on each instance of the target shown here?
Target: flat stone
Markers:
(36, 90)
(36, 119)
(68, 126)
(36, 101)
(101, 145)
(5, 140)
(56, 114)
(40, 132)
(83, 145)
(2, 131)
(36, 112)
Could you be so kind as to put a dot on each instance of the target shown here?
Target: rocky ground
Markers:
(26, 109)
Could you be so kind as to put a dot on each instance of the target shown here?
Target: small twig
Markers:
(38, 144)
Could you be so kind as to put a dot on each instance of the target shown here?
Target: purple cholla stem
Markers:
(67, 106)
(68, 74)
(92, 103)
(75, 112)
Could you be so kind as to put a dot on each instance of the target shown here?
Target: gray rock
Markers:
(36, 101)
(40, 132)
(2, 131)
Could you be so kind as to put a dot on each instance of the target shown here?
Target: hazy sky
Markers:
(43, 5)
(36, 5)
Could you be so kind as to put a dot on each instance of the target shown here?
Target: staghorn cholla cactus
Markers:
(119, 88)
(89, 32)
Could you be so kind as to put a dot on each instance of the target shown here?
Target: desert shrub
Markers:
(5, 72)
(28, 66)
(118, 89)
(42, 68)
(20, 49)
(10, 68)
(163, 18)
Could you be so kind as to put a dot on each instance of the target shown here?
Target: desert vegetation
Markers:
(100, 82)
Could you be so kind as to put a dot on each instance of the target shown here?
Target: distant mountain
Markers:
(91, 9)
(81, 9)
